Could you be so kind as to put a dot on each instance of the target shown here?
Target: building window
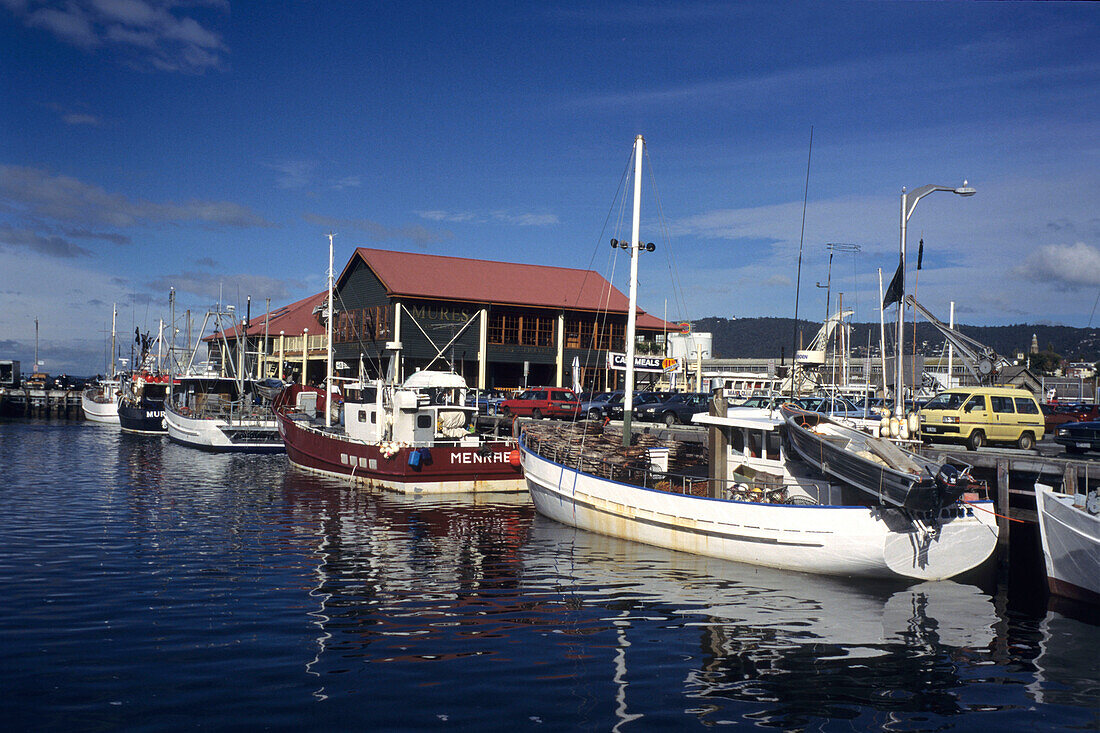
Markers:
(363, 325)
(594, 333)
(521, 330)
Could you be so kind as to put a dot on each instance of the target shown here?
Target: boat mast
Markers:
(35, 345)
(114, 315)
(631, 318)
(882, 333)
(328, 338)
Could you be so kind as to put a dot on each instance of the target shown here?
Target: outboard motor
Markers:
(951, 482)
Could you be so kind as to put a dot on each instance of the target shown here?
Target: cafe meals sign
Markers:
(617, 361)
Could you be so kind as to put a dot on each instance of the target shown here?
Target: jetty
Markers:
(40, 402)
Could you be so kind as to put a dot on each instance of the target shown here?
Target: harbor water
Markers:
(147, 586)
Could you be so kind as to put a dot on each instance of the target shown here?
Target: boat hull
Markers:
(142, 419)
(101, 408)
(438, 469)
(1071, 545)
(259, 435)
(854, 541)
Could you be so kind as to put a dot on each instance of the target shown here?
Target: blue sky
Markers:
(209, 146)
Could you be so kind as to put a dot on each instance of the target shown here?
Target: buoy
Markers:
(895, 428)
(903, 431)
(914, 423)
(513, 457)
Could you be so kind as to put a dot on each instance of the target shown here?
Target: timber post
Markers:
(717, 447)
(1002, 505)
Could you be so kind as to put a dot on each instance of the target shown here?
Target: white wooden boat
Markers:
(758, 506)
(100, 402)
(767, 510)
(1070, 529)
(216, 414)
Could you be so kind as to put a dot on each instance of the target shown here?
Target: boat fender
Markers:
(903, 430)
(895, 428)
(914, 423)
(884, 426)
(513, 458)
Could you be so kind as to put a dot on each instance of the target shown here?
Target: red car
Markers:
(1067, 412)
(543, 402)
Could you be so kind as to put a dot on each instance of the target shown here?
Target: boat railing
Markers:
(634, 466)
(215, 406)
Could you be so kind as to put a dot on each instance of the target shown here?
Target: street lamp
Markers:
(908, 203)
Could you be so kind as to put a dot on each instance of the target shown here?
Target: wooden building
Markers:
(498, 324)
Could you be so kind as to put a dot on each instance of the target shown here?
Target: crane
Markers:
(983, 362)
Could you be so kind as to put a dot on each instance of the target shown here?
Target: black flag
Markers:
(920, 253)
(897, 287)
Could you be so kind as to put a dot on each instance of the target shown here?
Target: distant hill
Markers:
(766, 338)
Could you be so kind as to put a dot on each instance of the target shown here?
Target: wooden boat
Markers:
(765, 508)
(411, 439)
(1070, 529)
(747, 502)
(886, 473)
(221, 414)
(99, 401)
(418, 437)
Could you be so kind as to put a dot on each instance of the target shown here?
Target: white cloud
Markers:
(149, 33)
(500, 217)
(1070, 265)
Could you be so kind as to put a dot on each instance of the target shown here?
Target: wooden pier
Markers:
(1012, 474)
(36, 402)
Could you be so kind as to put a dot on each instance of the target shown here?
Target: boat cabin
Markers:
(429, 408)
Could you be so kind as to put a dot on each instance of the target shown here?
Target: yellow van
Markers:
(980, 415)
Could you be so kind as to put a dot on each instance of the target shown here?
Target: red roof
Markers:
(292, 319)
(408, 274)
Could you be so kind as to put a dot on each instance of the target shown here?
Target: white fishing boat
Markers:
(223, 410)
(99, 401)
(1069, 525)
(748, 502)
(221, 414)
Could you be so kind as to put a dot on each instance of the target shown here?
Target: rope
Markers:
(999, 516)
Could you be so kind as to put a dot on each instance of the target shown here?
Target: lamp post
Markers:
(908, 203)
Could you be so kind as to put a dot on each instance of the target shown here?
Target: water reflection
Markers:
(795, 647)
(170, 571)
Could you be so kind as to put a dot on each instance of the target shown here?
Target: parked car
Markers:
(615, 409)
(676, 409)
(1078, 437)
(543, 402)
(1061, 413)
(835, 407)
(976, 415)
(596, 407)
(757, 402)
